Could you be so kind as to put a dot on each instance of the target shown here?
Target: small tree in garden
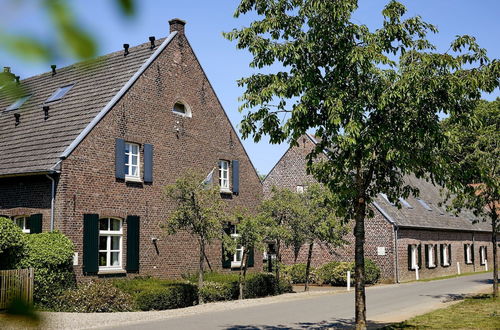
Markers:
(472, 158)
(251, 231)
(372, 97)
(199, 211)
(321, 224)
(283, 210)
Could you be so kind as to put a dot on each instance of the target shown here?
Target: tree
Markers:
(372, 97)
(250, 237)
(199, 211)
(472, 157)
(278, 213)
(321, 224)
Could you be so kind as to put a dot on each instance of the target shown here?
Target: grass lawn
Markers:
(479, 312)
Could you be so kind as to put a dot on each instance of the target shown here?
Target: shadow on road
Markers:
(485, 281)
(334, 324)
(448, 297)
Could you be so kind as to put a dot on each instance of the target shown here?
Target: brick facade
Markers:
(87, 183)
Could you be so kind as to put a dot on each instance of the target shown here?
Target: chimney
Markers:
(152, 42)
(176, 24)
(17, 116)
(6, 69)
(46, 111)
(53, 67)
(17, 79)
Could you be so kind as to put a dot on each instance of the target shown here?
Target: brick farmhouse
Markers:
(89, 149)
(421, 233)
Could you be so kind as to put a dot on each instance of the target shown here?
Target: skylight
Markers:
(405, 203)
(386, 198)
(19, 102)
(59, 93)
(424, 204)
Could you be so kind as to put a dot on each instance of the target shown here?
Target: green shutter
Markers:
(465, 253)
(35, 223)
(226, 257)
(409, 257)
(90, 243)
(427, 261)
(441, 250)
(449, 253)
(435, 255)
(472, 252)
(133, 243)
(250, 257)
(420, 256)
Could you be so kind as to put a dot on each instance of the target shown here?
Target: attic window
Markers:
(59, 93)
(424, 204)
(182, 109)
(19, 102)
(405, 203)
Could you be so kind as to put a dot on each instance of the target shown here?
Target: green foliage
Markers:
(333, 273)
(51, 256)
(12, 244)
(218, 291)
(297, 273)
(94, 297)
(156, 294)
(372, 272)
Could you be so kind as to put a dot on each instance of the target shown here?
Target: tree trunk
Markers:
(359, 268)
(495, 260)
(308, 265)
(243, 273)
(201, 269)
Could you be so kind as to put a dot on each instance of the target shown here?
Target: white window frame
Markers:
(482, 255)
(129, 164)
(414, 256)
(430, 256)
(111, 233)
(446, 255)
(235, 263)
(468, 253)
(21, 221)
(224, 175)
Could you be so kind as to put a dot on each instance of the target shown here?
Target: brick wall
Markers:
(144, 115)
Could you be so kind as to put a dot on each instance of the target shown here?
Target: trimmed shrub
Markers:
(95, 297)
(156, 294)
(372, 272)
(50, 254)
(297, 273)
(218, 291)
(260, 285)
(12, 244)
(323, 273)
(334, 273)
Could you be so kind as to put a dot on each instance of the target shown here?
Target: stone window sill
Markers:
(111, 271)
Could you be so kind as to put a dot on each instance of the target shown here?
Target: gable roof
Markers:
(36, 145)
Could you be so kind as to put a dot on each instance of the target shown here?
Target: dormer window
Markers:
(59, 93)
(19, 102)
(182, 109)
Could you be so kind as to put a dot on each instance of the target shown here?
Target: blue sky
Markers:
(206, 20)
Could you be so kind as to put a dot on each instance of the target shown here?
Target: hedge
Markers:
(297, 273)
(12, 244)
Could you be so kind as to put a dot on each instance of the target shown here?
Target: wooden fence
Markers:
(16, 283)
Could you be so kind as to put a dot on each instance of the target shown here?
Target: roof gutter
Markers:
(116, 98)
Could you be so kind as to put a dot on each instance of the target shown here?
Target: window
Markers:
(430, 251)
(238, 255)
(483, 255)
(22, 222)
(413, 257)
(445, 255)
(468, 253)
(405, 203)
(181, 109)
(424, 204)
(18, 103)
(224, 175)
(59, 93)
(300, 189)
(132, 161)
(110, 243)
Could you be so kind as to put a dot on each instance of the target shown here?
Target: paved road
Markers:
(388, 303)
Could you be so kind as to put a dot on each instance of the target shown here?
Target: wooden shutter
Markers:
(409, 258)
(465, 253)
(251, 257)
(35, 223)
(90, 243)
(133, 235)
(236, 176)
(435, 255)
(441, 250)
(472, 252)
(148, 163)
(449, 254)
(427, 261)
(420, 256)
(120, 159)
(226, 257)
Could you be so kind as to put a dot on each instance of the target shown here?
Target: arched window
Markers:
(22, 222)
(110, 243)
(181, 108)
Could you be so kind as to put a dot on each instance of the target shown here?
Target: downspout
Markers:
(52, 199)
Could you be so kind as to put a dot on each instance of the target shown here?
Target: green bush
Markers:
(95, 297)
(218, 291)
(284, 286)
(50, 254)
(297, 273)
(260, 285)
(323, 273)
(334, 273)
(372, 272)
(12, 244)
(156, 294)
